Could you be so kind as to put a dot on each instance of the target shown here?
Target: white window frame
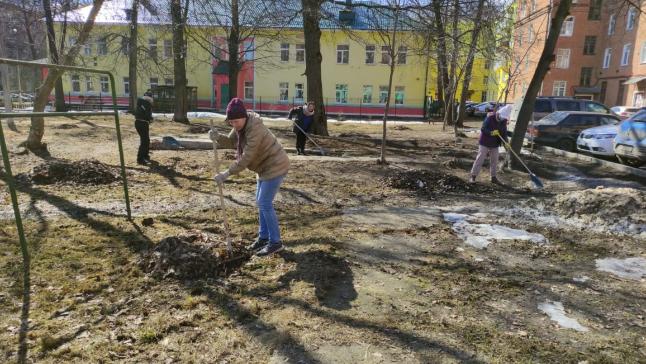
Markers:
(400, 94)
(642, 56)
(76, 83)
(341, 93)
(87, 49)
(89, 84)
(383, 94)
(402, 54)
(299, 89)
(612, 24)
(300, 53)
(631, 18)
(625, 54)
(248, 50)
(366, 98)
(607, 57)
(562, 58)
(559, 88)
(102, 47)
(567, 29)
(485, 81)
(531, 34)
(126, 85)
(342, 54)
(283, 91)
(152, 48)
(168, 82)
(105, 83)
(385, 55)
(168, 48)
(370, 50)
(284, 52)
(248, 90)
(153, 81)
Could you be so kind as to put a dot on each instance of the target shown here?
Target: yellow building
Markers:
(354, 68)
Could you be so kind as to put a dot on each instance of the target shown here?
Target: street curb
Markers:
(619, 167)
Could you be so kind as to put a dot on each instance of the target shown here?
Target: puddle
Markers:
(631, 268)
(556, 312)
(481, 235)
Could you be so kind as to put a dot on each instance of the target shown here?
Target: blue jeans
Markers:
(265, 193)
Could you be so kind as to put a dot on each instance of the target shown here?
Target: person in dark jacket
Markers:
(493, 128)
(143, 117)
(304, 118)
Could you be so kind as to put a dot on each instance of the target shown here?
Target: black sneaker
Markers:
(495, 181)
(258, 244)
(270, 249)
(143, 163)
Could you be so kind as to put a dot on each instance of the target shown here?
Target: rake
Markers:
(535, 180)
(321, 150)
(216, 167)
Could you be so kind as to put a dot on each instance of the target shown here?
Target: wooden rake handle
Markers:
(216, 170)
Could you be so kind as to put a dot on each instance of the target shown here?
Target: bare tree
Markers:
(547, 57)
(37, 129)
(179, 17)
(468, 68)
(313, 59)
(54, 54)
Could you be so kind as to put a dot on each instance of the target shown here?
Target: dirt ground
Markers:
(403, 263)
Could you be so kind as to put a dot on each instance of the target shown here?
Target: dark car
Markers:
(545, 105)
(561, 128)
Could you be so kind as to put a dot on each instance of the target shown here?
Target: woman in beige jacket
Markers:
(257, 150)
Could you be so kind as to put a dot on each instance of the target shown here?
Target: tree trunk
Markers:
(51, 41)
(133, 45)
(469, 66)
(393, 60)
(233, 46)
(37, 129)
(449, 114)
(547, 57)
(179, 62)
(313, 59)
(442, 62)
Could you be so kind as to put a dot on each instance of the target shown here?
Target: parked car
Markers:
(561, 128)
(483, 108)
(624, 112)
(544, 106)
(598, 140)
(630, 142)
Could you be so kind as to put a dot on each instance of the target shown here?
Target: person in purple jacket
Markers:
(493, 128)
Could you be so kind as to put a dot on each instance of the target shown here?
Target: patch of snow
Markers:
(556, 312)
(631, 268)
(481, 235)
(193, 115)
(581, 279)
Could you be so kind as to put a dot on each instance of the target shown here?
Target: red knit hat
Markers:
(236, 109)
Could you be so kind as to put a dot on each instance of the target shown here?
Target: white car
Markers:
(624, 112)
(598, 140)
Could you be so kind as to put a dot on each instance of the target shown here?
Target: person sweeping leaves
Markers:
(258, 150)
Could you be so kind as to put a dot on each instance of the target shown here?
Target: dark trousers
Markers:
(144, 140)
(300, 141)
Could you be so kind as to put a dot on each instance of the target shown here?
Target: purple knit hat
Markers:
(236, 109)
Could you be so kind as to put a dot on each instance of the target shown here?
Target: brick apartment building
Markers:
(600, 54)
